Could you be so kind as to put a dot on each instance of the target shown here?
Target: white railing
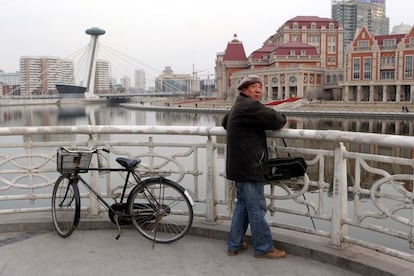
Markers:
(358, 185)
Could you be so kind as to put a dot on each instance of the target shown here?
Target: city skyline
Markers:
(185, 36)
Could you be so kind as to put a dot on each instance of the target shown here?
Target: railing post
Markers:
(339, 197)
(93, 208)
(211, 213)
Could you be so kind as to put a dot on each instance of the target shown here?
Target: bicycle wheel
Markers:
(65, 206)
(160, 210)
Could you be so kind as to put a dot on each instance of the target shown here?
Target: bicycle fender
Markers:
(189, 197)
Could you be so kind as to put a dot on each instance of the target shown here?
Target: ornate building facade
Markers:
(294, 62)
(379, 68)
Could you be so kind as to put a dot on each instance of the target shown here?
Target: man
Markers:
(246, 151)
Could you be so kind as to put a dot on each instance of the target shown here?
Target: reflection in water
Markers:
(71, 112)
(49, 115)
(388, 126)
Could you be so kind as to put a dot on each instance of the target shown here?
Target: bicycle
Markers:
(159, 208)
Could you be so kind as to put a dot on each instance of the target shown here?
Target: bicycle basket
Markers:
(68, 161)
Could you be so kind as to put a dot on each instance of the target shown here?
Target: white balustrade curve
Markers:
(356, 183)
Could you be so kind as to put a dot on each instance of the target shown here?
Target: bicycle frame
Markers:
(76, 176)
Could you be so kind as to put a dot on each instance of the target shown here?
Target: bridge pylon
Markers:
(91, 61)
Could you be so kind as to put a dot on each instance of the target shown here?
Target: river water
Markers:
(50, 115)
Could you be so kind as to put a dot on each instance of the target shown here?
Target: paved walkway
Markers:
(29, 246)
(96, 252)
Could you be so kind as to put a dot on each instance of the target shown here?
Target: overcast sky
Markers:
(183, 34)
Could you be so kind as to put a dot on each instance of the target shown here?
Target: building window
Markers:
(356, 67)
(363, 44)
(367, 68)
(331, 44)
(313, 26)
(303, 53)
(313, 39)
(412, 42)
(389, 60)
(408, 67)
(387, 75)
(331, 26)
(389, 43)
(331, 60)
(292, 53)
(295, 26)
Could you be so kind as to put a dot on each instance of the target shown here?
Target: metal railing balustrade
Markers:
(358, 185)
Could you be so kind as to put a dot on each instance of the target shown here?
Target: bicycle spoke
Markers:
(161, 211)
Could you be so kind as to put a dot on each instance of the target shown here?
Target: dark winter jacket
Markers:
(246, 138)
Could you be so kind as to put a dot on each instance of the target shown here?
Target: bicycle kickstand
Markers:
(117, 226)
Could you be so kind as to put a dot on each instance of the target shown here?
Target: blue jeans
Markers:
(250, 209)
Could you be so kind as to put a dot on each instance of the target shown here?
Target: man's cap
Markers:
(246, 81)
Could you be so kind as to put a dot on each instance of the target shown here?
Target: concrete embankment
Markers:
(15, 102)
(320, 110)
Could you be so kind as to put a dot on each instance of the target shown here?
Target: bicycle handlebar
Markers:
(86, 150)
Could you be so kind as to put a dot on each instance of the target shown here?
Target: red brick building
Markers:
(379, 68)
(294, 62)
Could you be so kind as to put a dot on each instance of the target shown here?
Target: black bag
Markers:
(284, 168)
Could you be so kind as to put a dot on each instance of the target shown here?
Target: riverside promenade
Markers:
(29, 246)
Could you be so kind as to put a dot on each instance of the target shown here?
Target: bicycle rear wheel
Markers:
(65, 206)
(160, 210)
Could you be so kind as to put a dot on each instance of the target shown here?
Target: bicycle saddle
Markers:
(128, 162)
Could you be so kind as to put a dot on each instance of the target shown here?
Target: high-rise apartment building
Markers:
(9, 83)
(352, 15)
(39, 75)
(102, 76)
(140, 80)
(126, 82)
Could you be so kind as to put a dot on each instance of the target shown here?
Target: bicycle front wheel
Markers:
(65, 206)
(160, 210)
